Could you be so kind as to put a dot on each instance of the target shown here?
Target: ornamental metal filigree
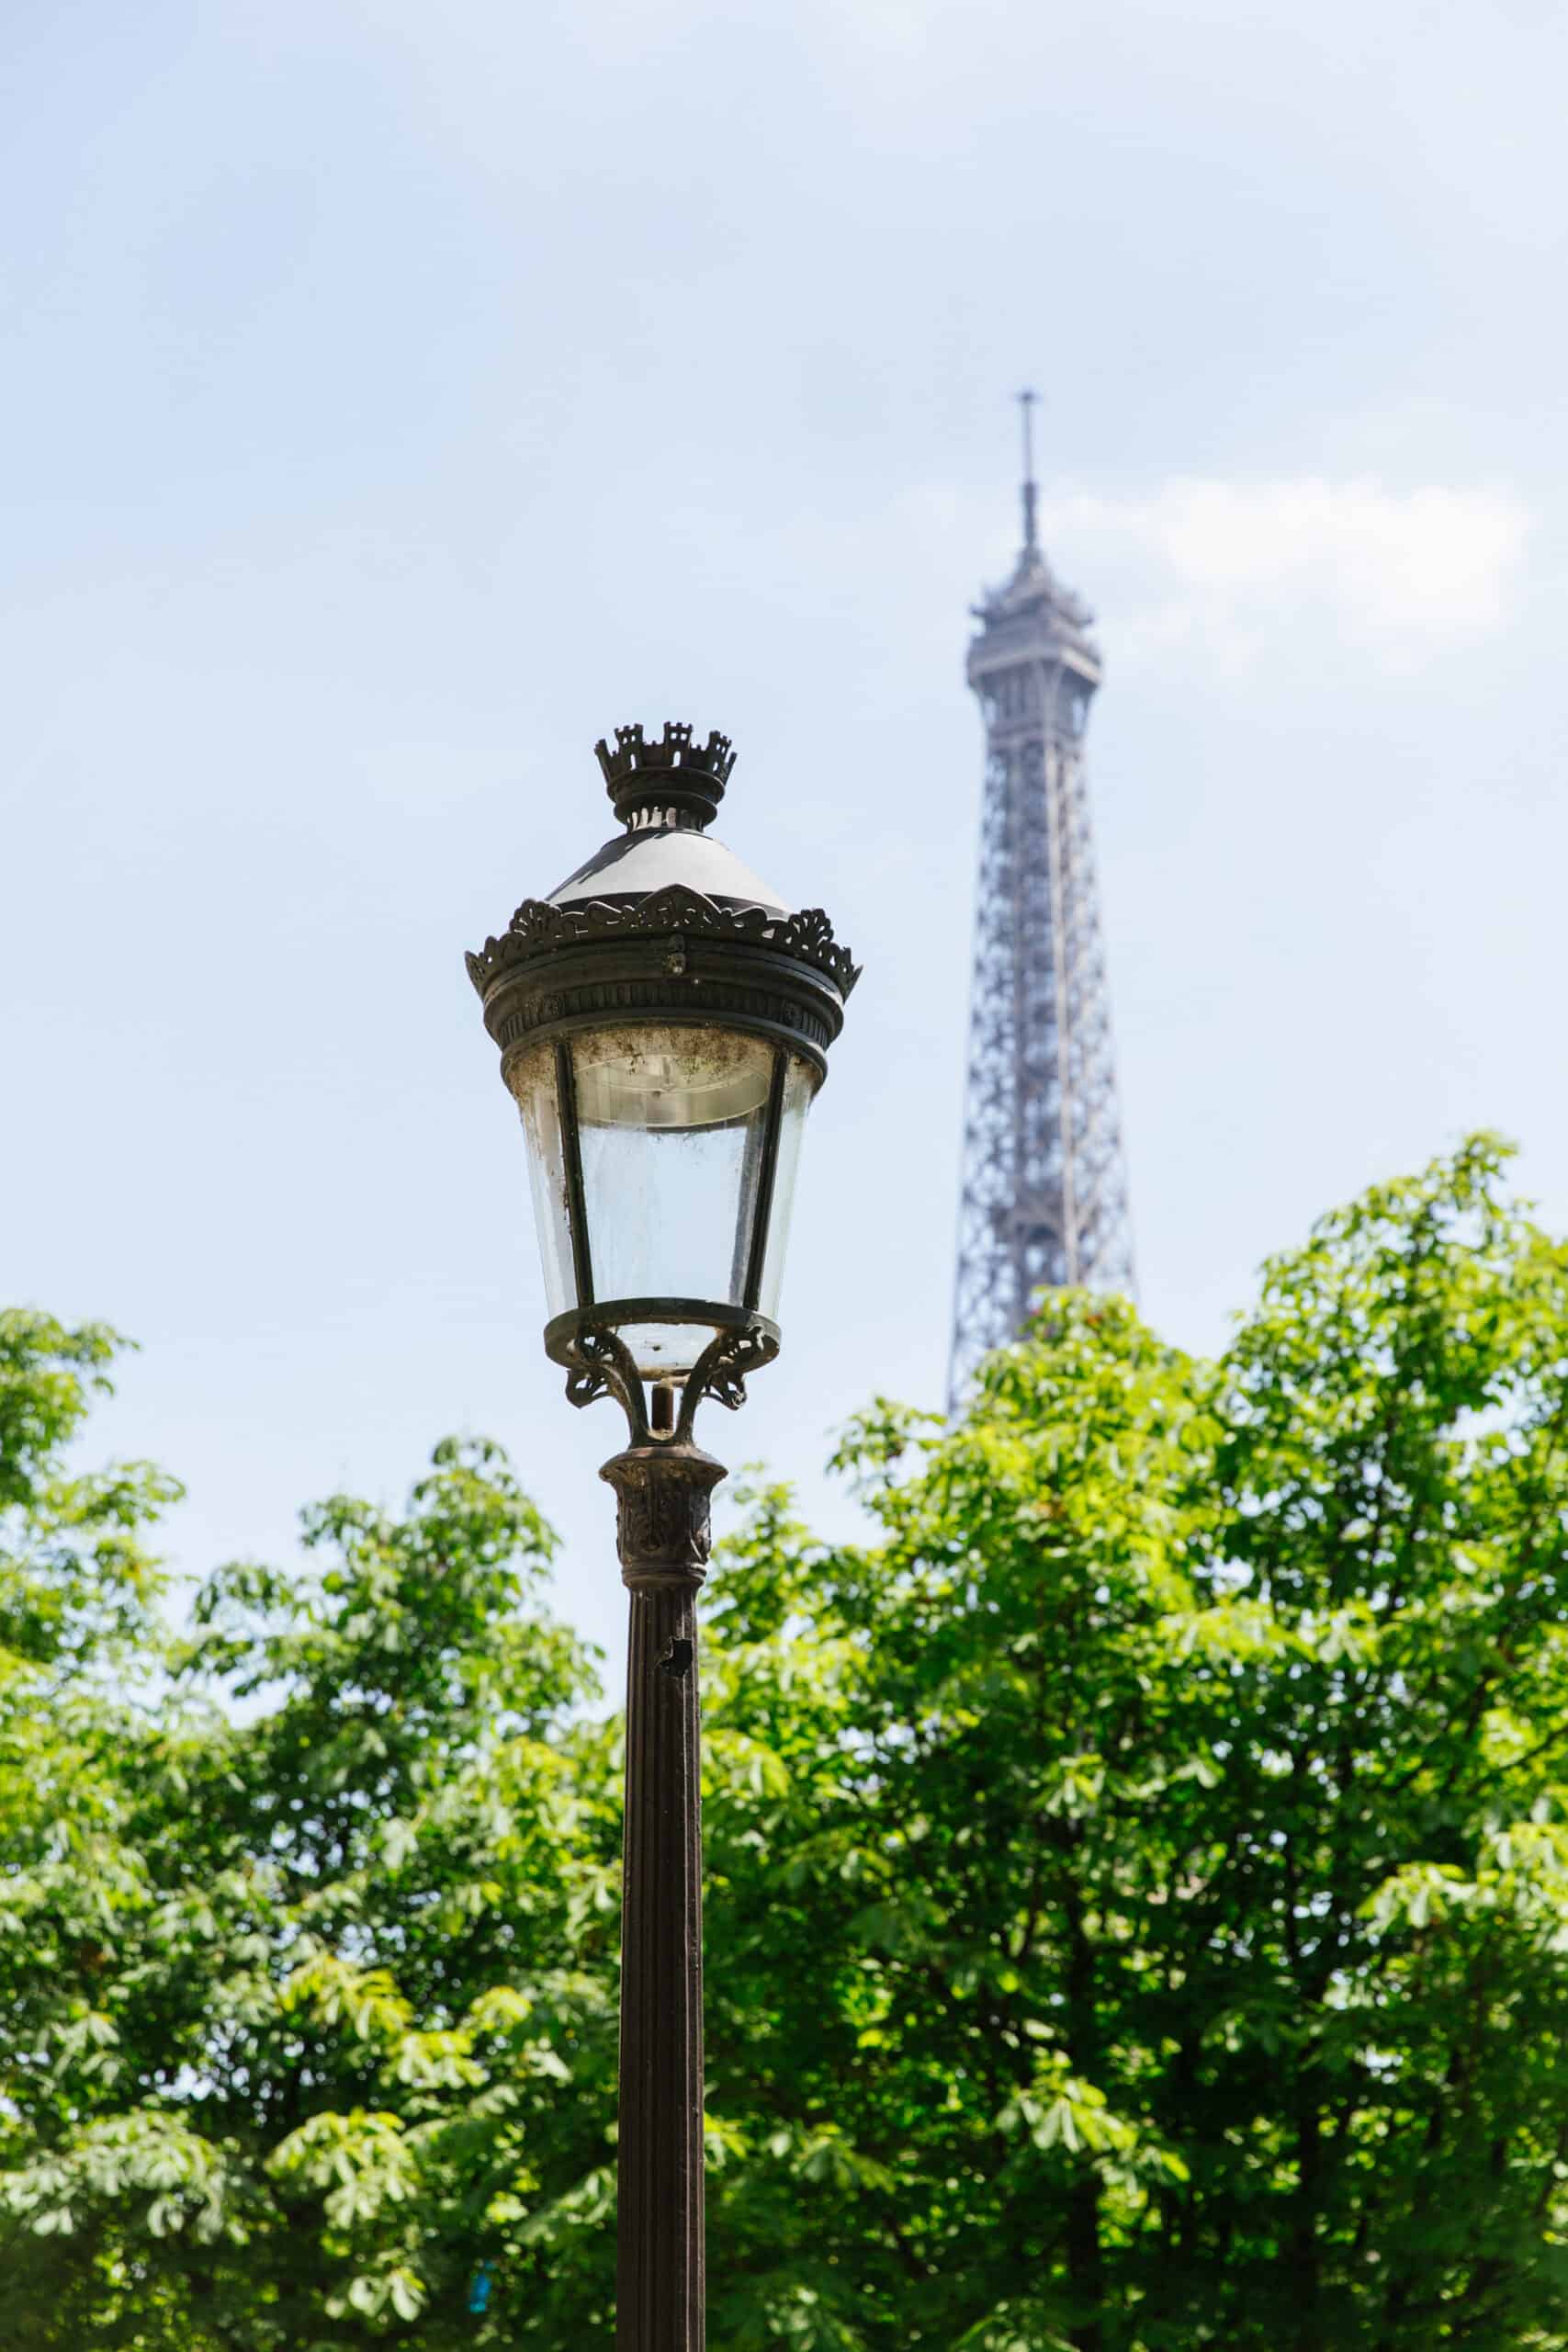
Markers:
(598, 1363)
(601, 1365)
(721, 1370)
(540, 927)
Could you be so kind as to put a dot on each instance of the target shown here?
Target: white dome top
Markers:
(652, 857)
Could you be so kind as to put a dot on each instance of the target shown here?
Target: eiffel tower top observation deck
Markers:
(1044, 1201)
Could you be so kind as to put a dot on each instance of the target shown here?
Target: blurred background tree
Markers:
(1138, 1880)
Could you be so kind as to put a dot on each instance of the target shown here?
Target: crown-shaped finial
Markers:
(675, 775)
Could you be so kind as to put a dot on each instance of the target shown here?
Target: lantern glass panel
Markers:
(671, 1123)
(799, 1086)
(532, 1078)
(671, 1129)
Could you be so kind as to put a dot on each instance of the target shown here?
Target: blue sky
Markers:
(396, 398)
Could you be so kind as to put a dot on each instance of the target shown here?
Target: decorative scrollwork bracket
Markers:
(598, 1363)
(664, 1479)
(720, 1372)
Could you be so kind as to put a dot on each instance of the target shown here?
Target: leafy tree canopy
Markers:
(1137, 1902)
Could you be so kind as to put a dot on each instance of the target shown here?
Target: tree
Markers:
(1137, 1902)
(291, 1998)
(1192, 1928)
(78, 1598)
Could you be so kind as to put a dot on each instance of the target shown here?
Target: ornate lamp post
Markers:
(663, 1023)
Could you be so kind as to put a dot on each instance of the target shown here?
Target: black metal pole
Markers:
(663, 1490)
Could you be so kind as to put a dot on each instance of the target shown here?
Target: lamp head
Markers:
(663, 1024)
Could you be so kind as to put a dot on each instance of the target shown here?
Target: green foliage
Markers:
(1137, 1902)
(77, 1587)
(309, 2012)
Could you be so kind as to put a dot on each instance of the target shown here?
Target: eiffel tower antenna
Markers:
(1027, 401)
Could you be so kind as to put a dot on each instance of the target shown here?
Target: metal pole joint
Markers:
(663, 1528)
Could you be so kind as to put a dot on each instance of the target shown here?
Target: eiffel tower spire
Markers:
(1044, 1197)
(1026, 402)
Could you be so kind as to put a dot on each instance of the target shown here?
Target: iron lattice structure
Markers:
(1044, 1196)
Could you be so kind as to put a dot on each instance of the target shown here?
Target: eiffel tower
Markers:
(1045, 1195)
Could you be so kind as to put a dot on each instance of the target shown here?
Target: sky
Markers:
(396, 399)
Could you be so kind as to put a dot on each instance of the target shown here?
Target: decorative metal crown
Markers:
(674, 772)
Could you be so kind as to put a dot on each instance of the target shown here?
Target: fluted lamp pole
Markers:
(664, 1020)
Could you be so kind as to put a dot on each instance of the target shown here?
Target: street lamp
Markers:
(663, 1023)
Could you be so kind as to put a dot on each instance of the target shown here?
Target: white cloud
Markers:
(1403, 571)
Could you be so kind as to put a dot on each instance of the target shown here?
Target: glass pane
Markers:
(532, 1078)
(671, 1123)
(667, 1350)
(800, 1085)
